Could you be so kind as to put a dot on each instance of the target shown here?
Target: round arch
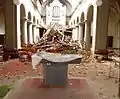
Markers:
(22, 24)
(89, 27)
(74, 22)
(37, 21)
(29, 16)
(82, 18)
(29, 30)
(77, 21)
(90, 13)
(34, 19)
(22, 11)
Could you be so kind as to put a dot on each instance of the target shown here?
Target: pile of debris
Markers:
(26, 52)
(55, 41)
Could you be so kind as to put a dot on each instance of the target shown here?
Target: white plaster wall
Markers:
(2, 21)
(74, 34)
(29, 7)
(74, 3)
(82, 8)
(113, 26)
(63, 16)
(48, 15)
(49, 11)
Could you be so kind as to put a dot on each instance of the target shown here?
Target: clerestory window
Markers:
(56, 11)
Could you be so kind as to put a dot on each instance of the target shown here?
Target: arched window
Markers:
(56, 11)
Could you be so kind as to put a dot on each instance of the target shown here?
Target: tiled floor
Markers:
(13, 70)
(15, 67)
(33, 88)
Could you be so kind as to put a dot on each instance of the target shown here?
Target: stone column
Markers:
(37, 33)
(77, 32)
(34, 32)
(18, 27)
(24, 31)
(87, 34)
(80, 32)
(100, 28)
(30, 32)
(73, 35)
(10, 25)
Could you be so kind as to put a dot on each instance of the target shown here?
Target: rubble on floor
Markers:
(102, 75)
(54, 41)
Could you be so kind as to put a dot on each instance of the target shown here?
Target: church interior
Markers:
(89, 29)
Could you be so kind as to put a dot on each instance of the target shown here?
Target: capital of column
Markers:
(16, 2)
(24, 19)
(29, 22)
(74, 27)
(34, 25)
(37, 26)
(88, 23)
(81, 23)
(98, 2)
(77, 25)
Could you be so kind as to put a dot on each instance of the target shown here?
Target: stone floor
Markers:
(33, 88)
(102, 77)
